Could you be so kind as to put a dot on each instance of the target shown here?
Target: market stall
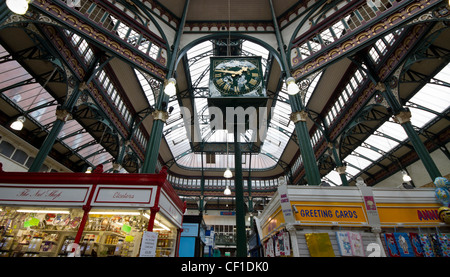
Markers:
(97, 214)
(304, 221)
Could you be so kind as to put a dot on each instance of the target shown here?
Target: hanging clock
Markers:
(236, 76)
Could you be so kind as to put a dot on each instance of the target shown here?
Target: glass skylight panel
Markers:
(312, 88)
(358, 160)
(420, 117)
(369, 153)
(352, 170)
(148, 91)
(333, 177)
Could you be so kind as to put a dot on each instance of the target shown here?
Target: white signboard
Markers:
(148, 244)
(369, 202)
(44, 194)
(169, 209)
(124, 196)
(286, 206)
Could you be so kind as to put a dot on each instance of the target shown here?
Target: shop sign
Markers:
(43, 194)
(409, 215)
(329, 214)
(227, 213)
(125, 197)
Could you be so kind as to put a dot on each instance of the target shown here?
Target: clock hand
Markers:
(233, 73)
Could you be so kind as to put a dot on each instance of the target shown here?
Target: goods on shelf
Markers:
(31, 235)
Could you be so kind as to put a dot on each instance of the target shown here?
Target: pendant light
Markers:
(406, 177)
(18, 124)
(292, 87)
(18, 6)
(227, 190)
(227, 174)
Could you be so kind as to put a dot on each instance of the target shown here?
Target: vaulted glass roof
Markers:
(426, 105)
(34, 101)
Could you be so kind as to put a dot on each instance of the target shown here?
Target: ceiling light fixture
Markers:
(406, 177)
(227, 174)
(170, 88)
(43, 212)
(18, 123)
(227, 190)
(292, 87)
(18, 6)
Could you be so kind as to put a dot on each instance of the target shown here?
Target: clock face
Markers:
(236, 76)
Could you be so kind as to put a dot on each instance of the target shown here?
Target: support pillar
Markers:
(298, 110)
(241, 235)
(62, 116)
(154, 143)
(151, 220)
(403, 117)
(340, 167)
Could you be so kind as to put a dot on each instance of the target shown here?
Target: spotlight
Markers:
(292, 87)
(18, 6)
(18, 124)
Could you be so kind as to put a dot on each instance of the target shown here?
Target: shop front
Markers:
(303, 221)
(92, 215)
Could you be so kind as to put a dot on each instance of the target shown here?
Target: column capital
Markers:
(341, 169)
(160, 115)
(380, 87)
(403, 117)
(83, 86)
(63, 115)
(299, 116)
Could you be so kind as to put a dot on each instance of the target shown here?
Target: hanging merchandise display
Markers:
(391, 245)
(404, 245)
(319, 245)
(278, 245)
(344, 243)
(269, 250)
(427, 245)
(416, 245)
(350, 244)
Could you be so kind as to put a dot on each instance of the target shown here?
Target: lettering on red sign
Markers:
(41, 193)
(123, 195)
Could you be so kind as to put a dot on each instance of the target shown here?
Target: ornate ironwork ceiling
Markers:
(339, 51)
